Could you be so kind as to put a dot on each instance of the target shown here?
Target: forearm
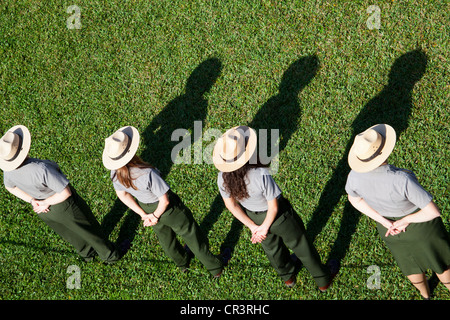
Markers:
(271, 214)
(429, 212)
(162, 206)
(58, 197)
(239, 214)
(128, 200)
(20, 194)
(361, 205)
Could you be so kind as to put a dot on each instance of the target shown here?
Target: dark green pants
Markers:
(74, 221)
(288, 231)
(178, 220)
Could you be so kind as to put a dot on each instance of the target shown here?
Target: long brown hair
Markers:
(123, 174)
(234, 182)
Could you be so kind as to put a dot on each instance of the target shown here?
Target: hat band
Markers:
(377, 153)
(127, 149)
(231, 160)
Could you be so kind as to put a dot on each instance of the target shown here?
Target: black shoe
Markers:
(297, 262)
(189, 252)
(226, 256)
(124, 246)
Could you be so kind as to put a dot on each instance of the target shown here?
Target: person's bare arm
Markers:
(362, 206)
(429, 212)
(236, 210)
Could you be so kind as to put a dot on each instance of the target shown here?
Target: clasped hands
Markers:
(396, 227)
(149, 220)
(259, 233)
(39, 206)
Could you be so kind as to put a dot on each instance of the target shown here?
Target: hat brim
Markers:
(112, 164)
(25, 136)
(250, 149)
(365, 166)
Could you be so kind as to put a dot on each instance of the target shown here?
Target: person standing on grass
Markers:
(407, 219)
(42, 184)
(159, 207)
(252, 196)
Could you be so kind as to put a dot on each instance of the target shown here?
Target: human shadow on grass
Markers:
(392, 106)
(281, 112)
(179, 113)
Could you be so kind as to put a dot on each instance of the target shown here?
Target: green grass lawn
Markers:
(312, 69)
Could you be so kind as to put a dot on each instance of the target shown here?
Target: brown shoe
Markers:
(219, 274)
(291, 282)
(333, 265)
(324, 288)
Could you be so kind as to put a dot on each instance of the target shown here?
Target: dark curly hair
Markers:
(235, 183)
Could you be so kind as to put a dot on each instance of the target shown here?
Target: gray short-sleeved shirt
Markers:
(150, 186)
(260, 186)
(38, 178)
(390, 191)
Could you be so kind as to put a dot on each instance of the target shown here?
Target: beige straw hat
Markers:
(14, 147)
(120, 147)
(235, 148)
(371, 148)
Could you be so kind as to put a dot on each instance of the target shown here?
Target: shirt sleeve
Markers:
(7, 182)
(415, 193)
(349, 187)
(116, 184)
(54, 179)
(269, 187)
(157, 185)
(222, 191)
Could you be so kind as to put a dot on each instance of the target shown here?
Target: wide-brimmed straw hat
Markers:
(14, 147)
(120, 147)
(235, 148)
(371, 148)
